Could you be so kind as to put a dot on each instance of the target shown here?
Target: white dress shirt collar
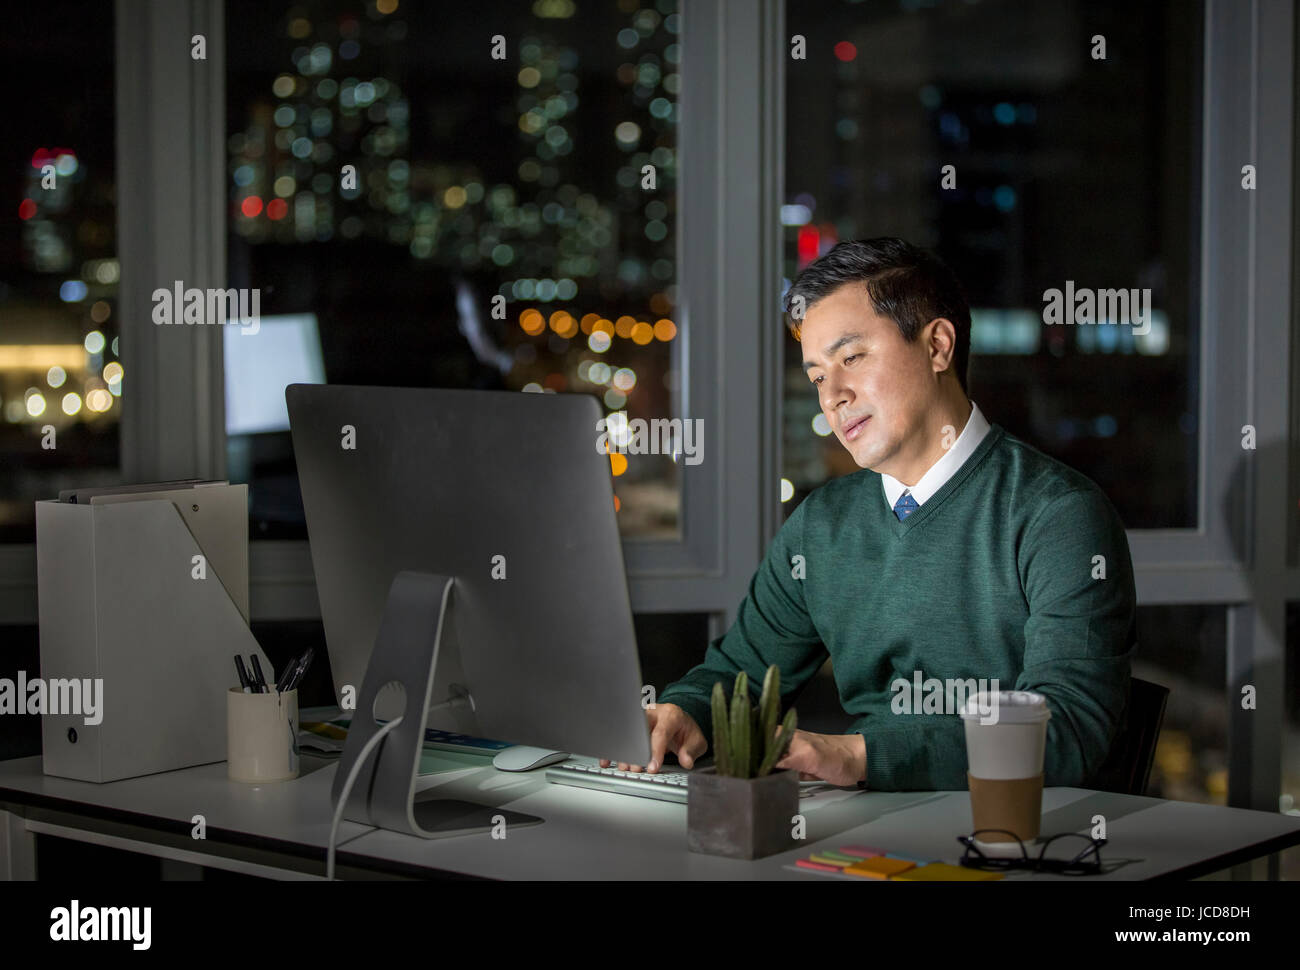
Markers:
(936, 477)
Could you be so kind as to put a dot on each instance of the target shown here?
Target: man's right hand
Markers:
(671, 729)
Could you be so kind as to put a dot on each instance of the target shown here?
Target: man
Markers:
(961, 553)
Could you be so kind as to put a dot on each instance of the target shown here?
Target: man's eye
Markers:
(817, 380)
(851, 358)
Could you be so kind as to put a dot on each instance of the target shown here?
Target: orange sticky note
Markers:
(879, 867)
(943, 871)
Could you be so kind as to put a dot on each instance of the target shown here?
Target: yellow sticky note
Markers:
(943, 871)
(881, 867)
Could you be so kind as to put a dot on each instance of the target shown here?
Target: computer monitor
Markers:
(286, 349)
(507, 493)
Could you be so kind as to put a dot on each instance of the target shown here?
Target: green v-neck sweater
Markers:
(1016, 569)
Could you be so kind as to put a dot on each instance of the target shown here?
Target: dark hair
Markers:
(907, 284)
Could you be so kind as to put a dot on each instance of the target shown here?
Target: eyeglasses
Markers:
(1066, 858)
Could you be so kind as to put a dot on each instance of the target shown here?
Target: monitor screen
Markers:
(285, 350)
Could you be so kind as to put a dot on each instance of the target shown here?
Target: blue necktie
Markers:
(905, 506)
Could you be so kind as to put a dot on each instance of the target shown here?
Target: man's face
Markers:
(874, 388)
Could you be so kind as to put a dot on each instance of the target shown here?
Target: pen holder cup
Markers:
(261, 735)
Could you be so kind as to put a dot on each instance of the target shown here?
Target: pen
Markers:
(257, 670)
(290, 670)
(301, 670)
(243, 676)
(287, 675)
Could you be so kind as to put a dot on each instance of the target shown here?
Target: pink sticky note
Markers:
(808, 864)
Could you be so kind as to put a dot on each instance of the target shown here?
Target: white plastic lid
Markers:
(1012, 706)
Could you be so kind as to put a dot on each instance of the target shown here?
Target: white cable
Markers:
(347, 790)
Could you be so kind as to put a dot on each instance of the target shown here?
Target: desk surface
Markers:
(597, 835)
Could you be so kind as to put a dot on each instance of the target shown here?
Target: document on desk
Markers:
(435, 761)
(328, 738)
(819, 797)
(317, 744)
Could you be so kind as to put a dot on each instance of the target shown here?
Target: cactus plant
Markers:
(749, 741)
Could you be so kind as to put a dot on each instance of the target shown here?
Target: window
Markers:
(1184, 648)
(414, 212)
(61, 376)
(995, 135)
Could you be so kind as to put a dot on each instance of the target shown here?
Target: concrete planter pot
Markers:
(741, 818)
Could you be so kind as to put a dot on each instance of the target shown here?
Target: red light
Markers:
(251, 206)
(845, 51)
(276, 209)
(46, 156)
(809, 238)
(26, 209)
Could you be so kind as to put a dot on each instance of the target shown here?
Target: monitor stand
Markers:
(413, 633)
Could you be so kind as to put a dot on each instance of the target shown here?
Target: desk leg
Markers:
(17, 848)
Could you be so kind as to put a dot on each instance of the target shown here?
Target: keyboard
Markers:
(668, 786)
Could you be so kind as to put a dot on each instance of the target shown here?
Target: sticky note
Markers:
(879, 867)
(806, 864)
(324, 729)
(916, 860)
(861, 851)
(828, 860)
(943, 871)
(835, 854)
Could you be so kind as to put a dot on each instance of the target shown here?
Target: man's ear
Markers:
(941, 342)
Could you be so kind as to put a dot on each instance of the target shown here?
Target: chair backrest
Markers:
(1127, 767)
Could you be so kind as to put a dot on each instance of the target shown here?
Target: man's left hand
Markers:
(838, 759)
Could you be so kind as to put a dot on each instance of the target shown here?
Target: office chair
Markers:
(1127, 767)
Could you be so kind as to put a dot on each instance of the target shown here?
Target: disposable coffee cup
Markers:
(261, 735)
(1006, 736)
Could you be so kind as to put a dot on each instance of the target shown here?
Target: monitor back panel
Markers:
(506, 492)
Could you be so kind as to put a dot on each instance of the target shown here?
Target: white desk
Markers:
(281, 830)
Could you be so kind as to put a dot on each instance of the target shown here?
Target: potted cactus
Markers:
(740, 807)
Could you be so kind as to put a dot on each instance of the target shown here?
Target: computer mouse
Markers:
(521, 757)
